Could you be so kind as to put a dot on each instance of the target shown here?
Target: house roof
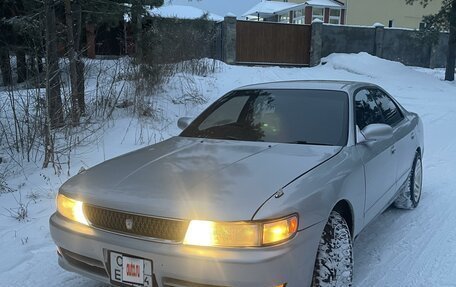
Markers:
(316, 3)
(325, 3)
(219, 7)
(182, 12)
(268, 8)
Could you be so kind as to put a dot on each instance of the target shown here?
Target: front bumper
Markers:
(85, 250)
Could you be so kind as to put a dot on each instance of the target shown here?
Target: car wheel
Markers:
(410, 195)
(334, 263)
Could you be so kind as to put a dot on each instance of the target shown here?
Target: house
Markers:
(391, 13)
(328, 11)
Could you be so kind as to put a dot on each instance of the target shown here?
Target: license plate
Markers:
(130, 271)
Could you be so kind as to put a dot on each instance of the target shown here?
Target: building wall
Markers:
(368, 12)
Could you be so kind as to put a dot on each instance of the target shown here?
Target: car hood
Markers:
(191, 178)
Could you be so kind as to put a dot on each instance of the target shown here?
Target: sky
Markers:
(219, 7)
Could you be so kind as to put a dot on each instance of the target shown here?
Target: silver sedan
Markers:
(267, 187)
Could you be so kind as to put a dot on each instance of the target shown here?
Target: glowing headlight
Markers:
(71, 209)
(240, 234)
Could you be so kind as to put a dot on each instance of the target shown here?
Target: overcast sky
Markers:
(220, 7)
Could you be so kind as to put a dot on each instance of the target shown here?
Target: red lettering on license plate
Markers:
(133, 270)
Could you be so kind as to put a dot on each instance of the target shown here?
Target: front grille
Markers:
(143, 226)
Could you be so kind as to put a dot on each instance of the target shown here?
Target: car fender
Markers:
(314, 195)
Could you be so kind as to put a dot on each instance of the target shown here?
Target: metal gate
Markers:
(272, 43)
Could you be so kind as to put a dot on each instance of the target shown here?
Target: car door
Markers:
(402, 132)
(379, 158)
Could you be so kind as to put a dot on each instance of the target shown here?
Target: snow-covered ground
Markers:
(400, 248)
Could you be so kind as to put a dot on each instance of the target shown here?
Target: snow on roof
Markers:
(268, 8)
(377, 24)
(325, 3)
(219, 7)
(182, 12)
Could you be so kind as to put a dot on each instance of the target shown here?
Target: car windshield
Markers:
(284, 116)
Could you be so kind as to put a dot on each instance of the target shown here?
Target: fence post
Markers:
(316, 43)
(379, 31)
(432, 55)
(229, 39)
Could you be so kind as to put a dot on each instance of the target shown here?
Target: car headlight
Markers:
(241, 234)
(71, 209)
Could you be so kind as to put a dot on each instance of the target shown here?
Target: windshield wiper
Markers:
(308, 143)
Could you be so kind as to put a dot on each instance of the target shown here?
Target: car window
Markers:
(366, 109)
(285, 116)
(225, 114)
(391, 112)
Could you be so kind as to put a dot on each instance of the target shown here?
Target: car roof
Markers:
(309, 85)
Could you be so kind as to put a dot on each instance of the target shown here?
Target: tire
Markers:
(410, 195)
(334, 262)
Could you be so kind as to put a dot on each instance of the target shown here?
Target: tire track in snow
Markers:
(417, 245)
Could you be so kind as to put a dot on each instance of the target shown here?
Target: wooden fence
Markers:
(272, 43)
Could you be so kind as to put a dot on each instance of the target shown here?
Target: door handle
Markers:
(413, 135)
(393, 149)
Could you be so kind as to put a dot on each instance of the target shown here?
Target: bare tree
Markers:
(53, 99)
(21, 65)
(75, 114)
(79, 63)
(451, 57)
(5, 66)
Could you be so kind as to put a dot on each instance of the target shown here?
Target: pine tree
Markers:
(444, 20)
(137, 14)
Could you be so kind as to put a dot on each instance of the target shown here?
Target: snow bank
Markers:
(370, 66)
(393, 76)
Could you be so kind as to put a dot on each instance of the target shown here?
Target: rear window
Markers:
(284, 116)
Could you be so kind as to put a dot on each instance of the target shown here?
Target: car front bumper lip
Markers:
(290, 263)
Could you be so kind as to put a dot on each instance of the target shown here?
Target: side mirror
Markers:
(376, 132)
(184, 122)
